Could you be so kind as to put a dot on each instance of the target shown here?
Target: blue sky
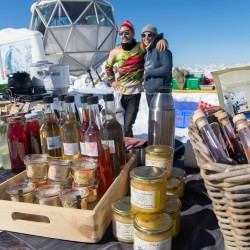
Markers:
(198, 31)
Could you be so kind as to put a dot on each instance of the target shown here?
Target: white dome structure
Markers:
(80, 33)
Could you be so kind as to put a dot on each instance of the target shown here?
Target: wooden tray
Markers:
(63, 223)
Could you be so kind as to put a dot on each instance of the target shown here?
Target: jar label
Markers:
(70, 148)
(140, 244)
(110, 144)
(123, 231)
(53, 142)
(145, 199)
(163, 163)
(91, 148)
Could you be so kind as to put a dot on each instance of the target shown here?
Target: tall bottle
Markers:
(61, 110)
(242, 127)
(85, 122)
(4, 149)
(94, 147)
(50, 132)
(235, 150)
(70, 131)
(17, 143)
(32, 131)
(161, 122)
(113, 136)
(210, 139)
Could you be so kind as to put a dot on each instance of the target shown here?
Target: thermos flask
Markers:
(161, 122)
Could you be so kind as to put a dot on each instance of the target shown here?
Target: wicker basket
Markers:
(228, 188)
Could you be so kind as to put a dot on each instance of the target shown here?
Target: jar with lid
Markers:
(122, 220)
(148, 189)
(173, 210)
(152, 231)
(58, 170)
(160, 156)
(180, 175)
(173, 187)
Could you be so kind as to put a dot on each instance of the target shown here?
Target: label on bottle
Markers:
(53, 142)
(145, 199)
(70, 148)
(140, 244)
(123, 231)
(91, 148)
(110, 144)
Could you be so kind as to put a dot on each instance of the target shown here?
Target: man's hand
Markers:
(162, 45)
(115, 85)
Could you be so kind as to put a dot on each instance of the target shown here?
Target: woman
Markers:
(158, 64)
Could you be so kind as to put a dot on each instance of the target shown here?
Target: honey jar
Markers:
(160, 156)
(173, 210)
(147, 189)
(152, 231)
(173, 187)
(122, 220)
(180, 175)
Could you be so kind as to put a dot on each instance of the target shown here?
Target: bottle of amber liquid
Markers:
(70, 131)
(50, 132)
(94, 147)
(112, 135)
(235, 149)
(241, 125)
(210, 139)
(85, 122)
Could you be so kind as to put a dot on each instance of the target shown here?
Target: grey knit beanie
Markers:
(149, 28)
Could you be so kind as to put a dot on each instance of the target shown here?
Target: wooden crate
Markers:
(63, 223)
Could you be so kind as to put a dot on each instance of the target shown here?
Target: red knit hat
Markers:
(129, 25)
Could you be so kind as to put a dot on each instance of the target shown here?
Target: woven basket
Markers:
(228, 188)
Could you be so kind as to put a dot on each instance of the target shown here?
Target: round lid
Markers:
(108, 97)
(159, 150)
(83, 98)
(222, 115)
(48, 99)
(147, 173)
(122, 206)
(197, 116)
(32, 115)
(48, 191)
(20, 188)
(173, 204)
(178, 172)
(172, 183)
(35, 158)
(84, 163)
(74, 195)
(152, 223)
(69, 99)
(92, 100)
(239, 117)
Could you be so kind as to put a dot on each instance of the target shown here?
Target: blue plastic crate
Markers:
(182, 118)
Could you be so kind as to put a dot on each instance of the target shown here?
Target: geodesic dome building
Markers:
(80, 33)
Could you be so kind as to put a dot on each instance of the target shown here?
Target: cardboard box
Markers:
(63, 223)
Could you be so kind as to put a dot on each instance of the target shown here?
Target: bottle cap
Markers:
(222, 115)
(48, 99)
(108, 97)
(238, 118)
(92, 100)
(69, 99)
(197, 116)
(83, 98)
(217, 113)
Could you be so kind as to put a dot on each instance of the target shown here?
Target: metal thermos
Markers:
(161, 122)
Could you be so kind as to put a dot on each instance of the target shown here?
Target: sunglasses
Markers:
(125, 32)
(150, 35)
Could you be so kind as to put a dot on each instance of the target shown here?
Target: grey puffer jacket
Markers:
(158, 68)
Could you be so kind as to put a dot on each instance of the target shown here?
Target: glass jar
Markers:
(58, 170)
(173, 187)
(122, 220)
(152, 231)
(93, 190)
(173, 210)
(148, 189)
(22, 192)
(36, 167)
(84, 170)
(74, 198)
(180, 175)
(160, 156)
(49, 195)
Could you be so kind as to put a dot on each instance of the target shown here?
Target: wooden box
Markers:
(63, 223)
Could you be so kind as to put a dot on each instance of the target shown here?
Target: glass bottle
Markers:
(112, 135)
(61, 110)
(33, 134)
(4, 149)
(70, 131)
(241, 124)
(94, 147)
(210, 139)
(17, 142)
(50, 132)
(235, 150)
(40, 116)
(85, 121)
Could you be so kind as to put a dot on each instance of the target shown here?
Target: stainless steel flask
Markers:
(161, 122)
